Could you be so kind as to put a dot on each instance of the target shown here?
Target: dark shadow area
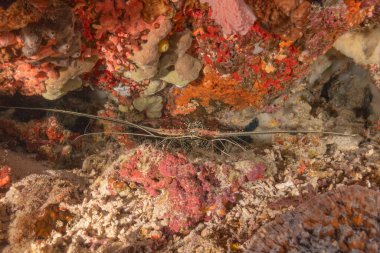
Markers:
(84, 101)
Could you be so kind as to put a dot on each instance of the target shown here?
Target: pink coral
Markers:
(187, 189)
(193, 190)
(234, 16)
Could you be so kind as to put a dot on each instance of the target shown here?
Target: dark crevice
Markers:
(365, 110)
(79, 101)
(326, 88)
(6, 3)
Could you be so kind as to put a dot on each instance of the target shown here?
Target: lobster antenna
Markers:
(150, 130)
(80, 114)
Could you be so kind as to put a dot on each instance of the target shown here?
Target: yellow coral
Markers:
(163, 46)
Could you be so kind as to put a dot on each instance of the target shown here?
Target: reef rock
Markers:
(345, 220)
(186, 70)
(147, 58)
(362, 46)
(287, 18)
(29, 198)
(68, 78)
(152, 105)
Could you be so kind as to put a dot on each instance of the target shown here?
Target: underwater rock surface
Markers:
(189, 126)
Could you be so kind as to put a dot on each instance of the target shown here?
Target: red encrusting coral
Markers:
(5, 176)
(188, 191)
(193, 190)
(118, 29)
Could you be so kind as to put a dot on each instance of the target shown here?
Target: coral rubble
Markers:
(344, 220)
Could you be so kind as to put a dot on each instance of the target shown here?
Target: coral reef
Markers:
(126, 196)
(154, 8)
(344, 220)
(51, 41)
(135, 41)
(214, 88)
(185, 68)
(189, 126)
